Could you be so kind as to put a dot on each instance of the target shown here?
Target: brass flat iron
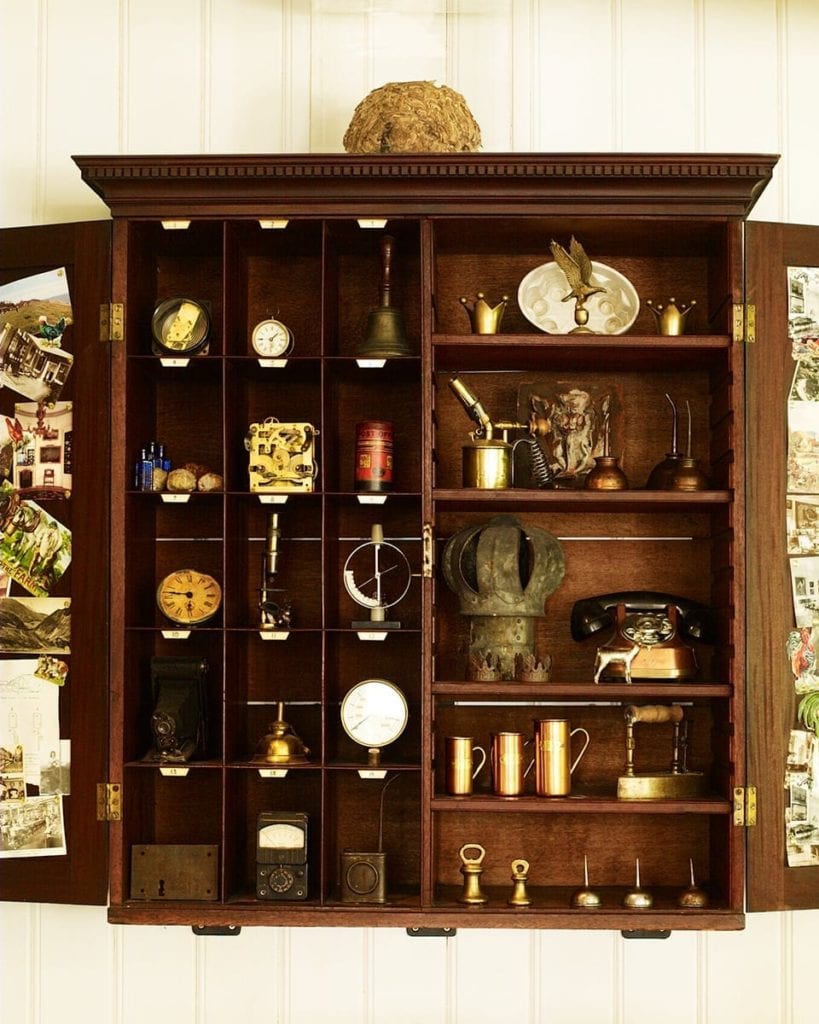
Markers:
(674, 783)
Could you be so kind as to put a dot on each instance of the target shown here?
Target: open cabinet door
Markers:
(80, 875)
(772, 698)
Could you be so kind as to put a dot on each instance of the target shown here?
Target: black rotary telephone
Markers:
(648, 633)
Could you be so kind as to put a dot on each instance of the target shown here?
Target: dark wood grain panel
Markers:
(85, 251)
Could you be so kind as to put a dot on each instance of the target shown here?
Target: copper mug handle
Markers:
(460, 770)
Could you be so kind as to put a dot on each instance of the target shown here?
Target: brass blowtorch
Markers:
(488, 461)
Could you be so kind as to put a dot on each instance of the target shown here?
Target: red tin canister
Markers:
(373, 455)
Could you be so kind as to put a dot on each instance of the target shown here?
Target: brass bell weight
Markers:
(520, 876)
(472, 855)
(386, 338)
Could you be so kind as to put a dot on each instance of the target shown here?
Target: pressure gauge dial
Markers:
(374, 713)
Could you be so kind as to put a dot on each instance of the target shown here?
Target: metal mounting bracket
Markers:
(432, 933)
(216, 929)
(645, 933)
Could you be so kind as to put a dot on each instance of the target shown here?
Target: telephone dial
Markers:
(648, 634)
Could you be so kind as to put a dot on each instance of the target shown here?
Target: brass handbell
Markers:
(385, 325)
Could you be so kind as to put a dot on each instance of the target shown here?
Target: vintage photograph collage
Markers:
(36, 431)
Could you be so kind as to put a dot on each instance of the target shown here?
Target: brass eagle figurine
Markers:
(577, 267)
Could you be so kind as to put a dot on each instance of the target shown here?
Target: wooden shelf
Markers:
(560, 691)
(587, 352)
(566, 500)
(577, 803)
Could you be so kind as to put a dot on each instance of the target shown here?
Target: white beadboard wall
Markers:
(172, 76)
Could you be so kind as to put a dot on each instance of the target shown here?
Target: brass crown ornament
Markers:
(670, 318)
(485, 319)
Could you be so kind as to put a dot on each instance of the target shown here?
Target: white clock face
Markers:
(374, 713)
(271, 338)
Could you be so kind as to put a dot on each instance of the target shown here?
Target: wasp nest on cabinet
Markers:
(412, 117)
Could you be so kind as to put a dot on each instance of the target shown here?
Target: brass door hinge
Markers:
(109, 801)
(744, 323)
(112, 320)
(745, 806)
(428, 543)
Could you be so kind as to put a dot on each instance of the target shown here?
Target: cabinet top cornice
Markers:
(705, 184)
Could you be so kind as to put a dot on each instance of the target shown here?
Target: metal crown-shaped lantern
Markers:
(502, 574)
(385, 338)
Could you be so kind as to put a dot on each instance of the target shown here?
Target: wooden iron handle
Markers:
(652, 713)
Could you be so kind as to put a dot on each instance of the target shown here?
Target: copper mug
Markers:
(553, 763)
(460, 764)
(507, 756)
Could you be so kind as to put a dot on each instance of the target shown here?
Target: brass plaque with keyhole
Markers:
(170, 872)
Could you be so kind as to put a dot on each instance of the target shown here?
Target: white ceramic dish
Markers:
(541, 292)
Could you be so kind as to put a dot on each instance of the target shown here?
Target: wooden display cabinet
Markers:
(292, 237)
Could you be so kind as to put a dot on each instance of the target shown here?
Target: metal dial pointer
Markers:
(378, 575)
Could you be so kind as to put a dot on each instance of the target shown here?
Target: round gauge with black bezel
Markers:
(180, 328)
